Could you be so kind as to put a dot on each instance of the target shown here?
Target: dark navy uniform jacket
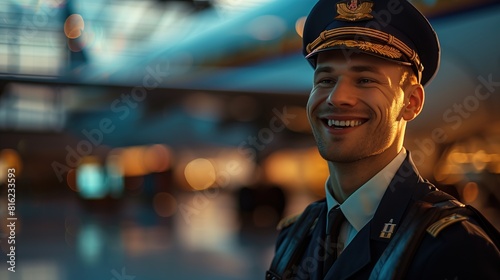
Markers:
(460, 251)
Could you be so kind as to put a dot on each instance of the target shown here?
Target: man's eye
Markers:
(327, 81)
(365, 81)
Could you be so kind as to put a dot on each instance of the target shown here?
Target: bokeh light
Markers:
(165, 204)
(132, 161)
(90, 243)
(157, 158)
(71, 180)
(200, 173)
(282, 168)
(299, 26)
(480, 159)
(470, 192)
(74, 26)
(297, 169)
(9, 158)
(141, 160)
(90, 179)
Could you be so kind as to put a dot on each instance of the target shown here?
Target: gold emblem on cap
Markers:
(352, 10)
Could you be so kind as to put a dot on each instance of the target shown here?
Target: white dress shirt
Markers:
(361, 205)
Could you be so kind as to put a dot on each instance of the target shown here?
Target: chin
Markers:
(347, 155)
(339, 156)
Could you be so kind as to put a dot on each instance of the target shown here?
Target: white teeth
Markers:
(351, 123)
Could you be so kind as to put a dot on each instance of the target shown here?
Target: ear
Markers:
(414, 101)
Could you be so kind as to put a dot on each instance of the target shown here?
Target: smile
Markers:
(348, 123)
(343, 124)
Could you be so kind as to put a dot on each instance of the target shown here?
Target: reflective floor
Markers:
(73, 239)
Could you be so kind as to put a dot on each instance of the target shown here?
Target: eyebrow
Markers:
(323, 69)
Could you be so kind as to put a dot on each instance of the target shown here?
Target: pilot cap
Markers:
(390, 29)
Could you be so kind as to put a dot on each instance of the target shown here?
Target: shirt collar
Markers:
(361, 205)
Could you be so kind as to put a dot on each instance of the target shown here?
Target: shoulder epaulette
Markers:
(441, 224)
(287, 221)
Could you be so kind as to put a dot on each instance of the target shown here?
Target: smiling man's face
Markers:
(357, 106)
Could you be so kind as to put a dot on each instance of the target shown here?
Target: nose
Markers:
(342, 94)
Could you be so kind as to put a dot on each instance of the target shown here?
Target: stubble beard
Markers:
(361, 150)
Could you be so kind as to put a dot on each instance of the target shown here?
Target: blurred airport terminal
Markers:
(158, 139)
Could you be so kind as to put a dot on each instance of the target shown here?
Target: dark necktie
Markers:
(335, 220)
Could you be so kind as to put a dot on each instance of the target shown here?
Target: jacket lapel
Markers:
(353, 258)
(404, 189)
(378, 232)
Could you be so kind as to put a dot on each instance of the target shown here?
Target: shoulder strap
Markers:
(397, 257)
(488, 228)
(435, 206)
(290, 250)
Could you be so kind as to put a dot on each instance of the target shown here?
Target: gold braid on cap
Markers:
(393, 48)
(384, 50)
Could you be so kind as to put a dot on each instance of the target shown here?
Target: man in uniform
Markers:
(380, 219)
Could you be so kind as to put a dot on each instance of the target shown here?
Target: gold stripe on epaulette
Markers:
(287, 221)
(438, 226)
